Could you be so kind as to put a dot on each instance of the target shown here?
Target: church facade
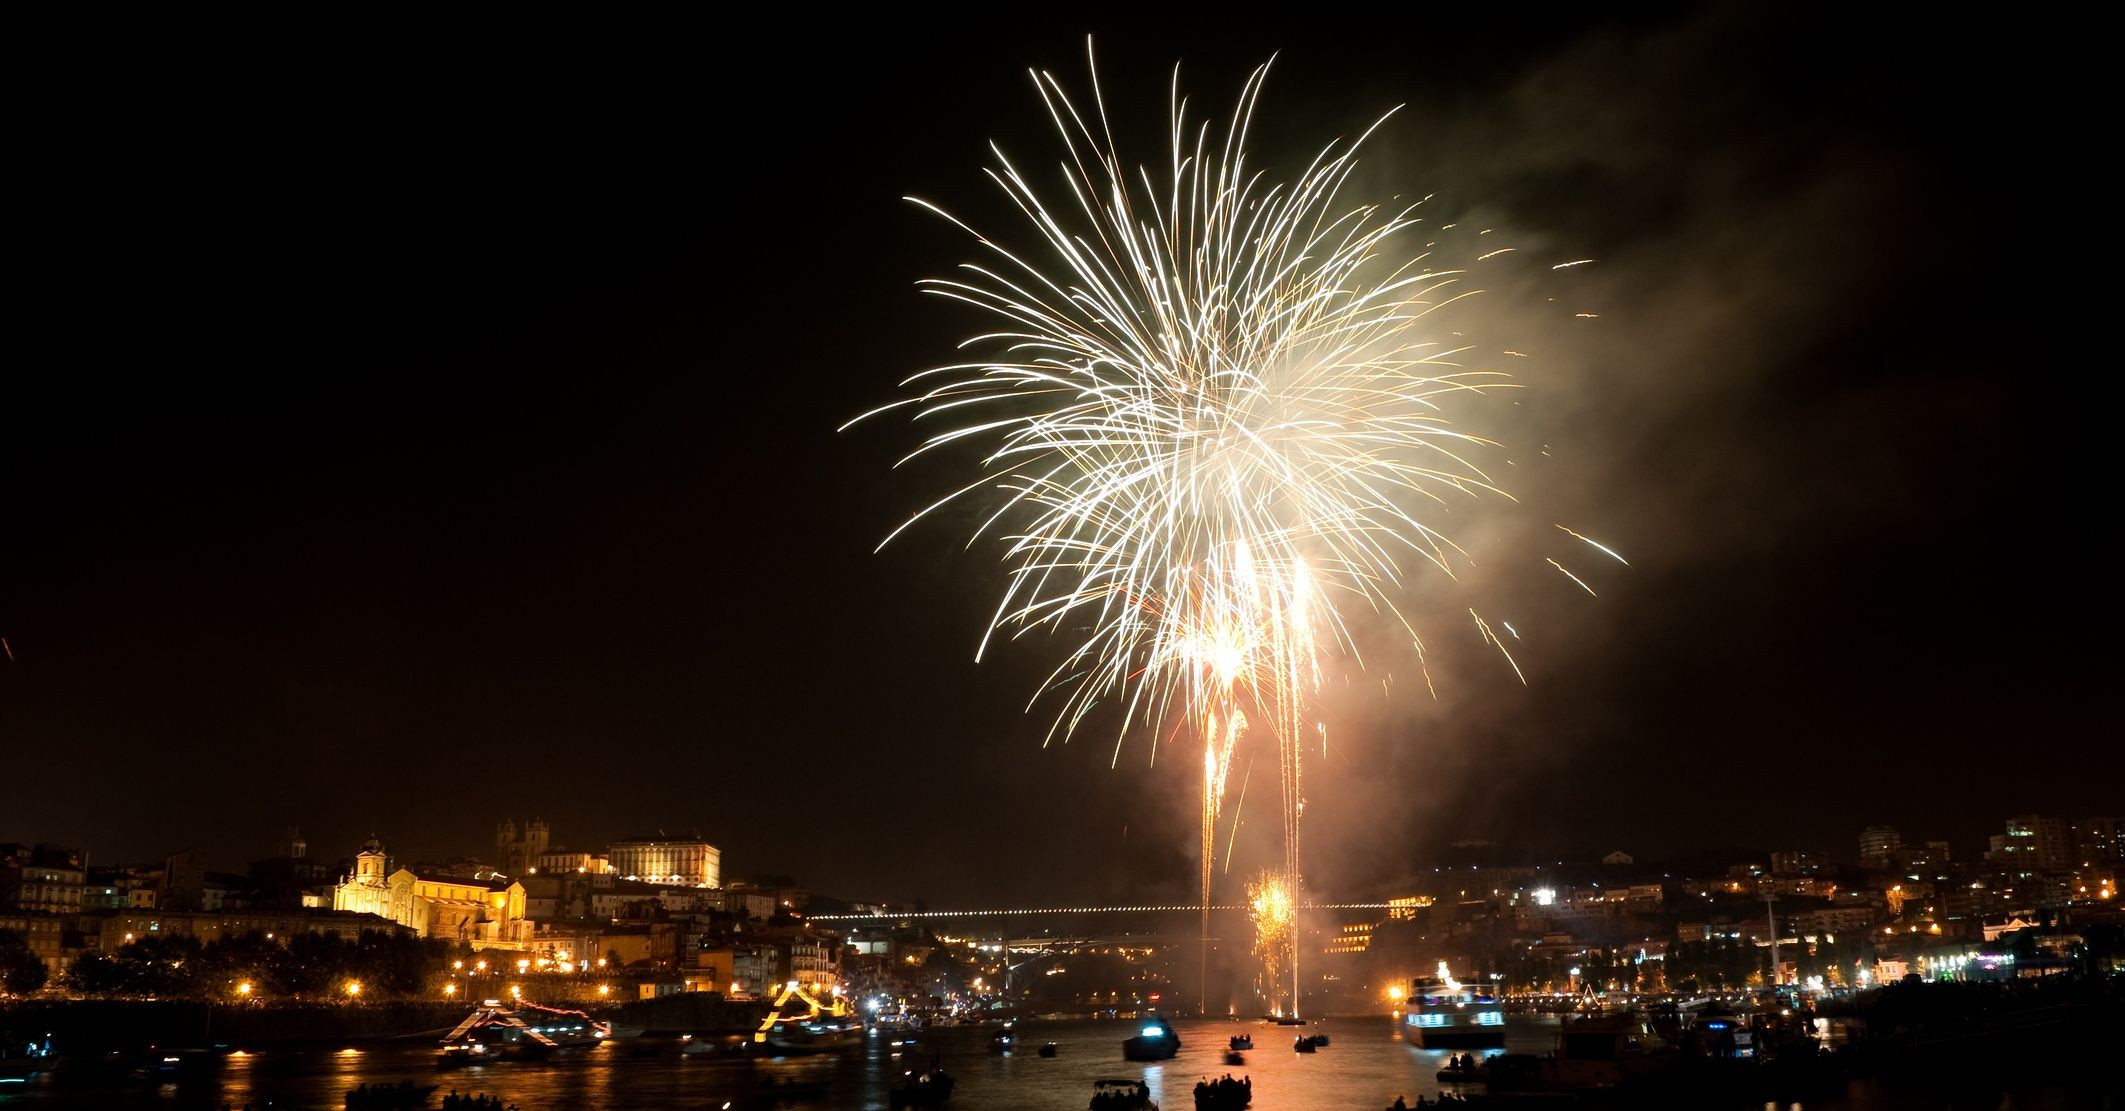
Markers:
(481, 912)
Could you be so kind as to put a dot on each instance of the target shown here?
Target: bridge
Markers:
(875, 919)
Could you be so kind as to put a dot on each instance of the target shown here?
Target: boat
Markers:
(1443, 1013)
(802, 1036)
(1003, 1040)
(1321, 1040)
(1121, 1095)
(1304, 1045)
(1225, 1094)
(19, 1061)
(726, 1046)
(927, 1088)
(1464, 1070)
(1235, 1057)
(525, 1032)
(1287, 1020)
(1607, 1057)
(1600, 1052)
(1242, 1041)
(1156, 1041)
(1047, 1049)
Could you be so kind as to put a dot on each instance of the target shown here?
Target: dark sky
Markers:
(410, 427)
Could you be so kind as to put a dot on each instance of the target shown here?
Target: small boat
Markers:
(1003, 1041)
(1321, 1040)
(1280, 1020)
(1047, 1049)
(1225, 1094)
(1121, 1095)
(1235, 1057)
(1243, 1041)
(927, 1088)
(1156, 1041)
(1464, 1070)
(1304, 1045)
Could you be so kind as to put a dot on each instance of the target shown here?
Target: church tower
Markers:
(535, 836)
(369, 863)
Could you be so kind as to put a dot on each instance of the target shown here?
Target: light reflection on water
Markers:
(1365, 1065)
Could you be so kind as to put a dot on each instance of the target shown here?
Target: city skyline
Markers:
(417, 456)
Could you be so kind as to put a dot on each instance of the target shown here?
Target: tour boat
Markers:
(1446, 1014)
(526, 1031)
(1155, 1041)
(795, 1037)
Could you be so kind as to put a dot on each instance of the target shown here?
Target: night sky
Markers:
(410, 428)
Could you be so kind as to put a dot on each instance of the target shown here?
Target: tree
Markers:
(21, 970)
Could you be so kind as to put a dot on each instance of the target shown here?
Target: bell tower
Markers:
(369, 863)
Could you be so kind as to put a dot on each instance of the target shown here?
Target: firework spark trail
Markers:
(1206, 410)
(1275, 914)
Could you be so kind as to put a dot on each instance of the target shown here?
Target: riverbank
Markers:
(94, 1026)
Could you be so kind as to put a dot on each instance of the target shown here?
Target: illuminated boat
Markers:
(526, 1031)
(21, 1061)
(796, 1037)
(820, 1027)
(1447, 1014)
(1156, 1041)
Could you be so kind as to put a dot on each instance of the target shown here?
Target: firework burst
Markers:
(1209, 414)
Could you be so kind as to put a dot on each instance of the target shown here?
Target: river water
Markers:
(1365, 1066)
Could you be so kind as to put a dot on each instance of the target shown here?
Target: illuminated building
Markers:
(364, 891)
(2032, 843)
(119, 929)
(2096, 841)
(45, 935)
(1407, 906)
(41, 880)
(562, 861)
(738, 970)
(481, 911)
(1799, 862)
(812, 960)
(1352, 938)
(1879, 846)
(517, 855)
(669, 860)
